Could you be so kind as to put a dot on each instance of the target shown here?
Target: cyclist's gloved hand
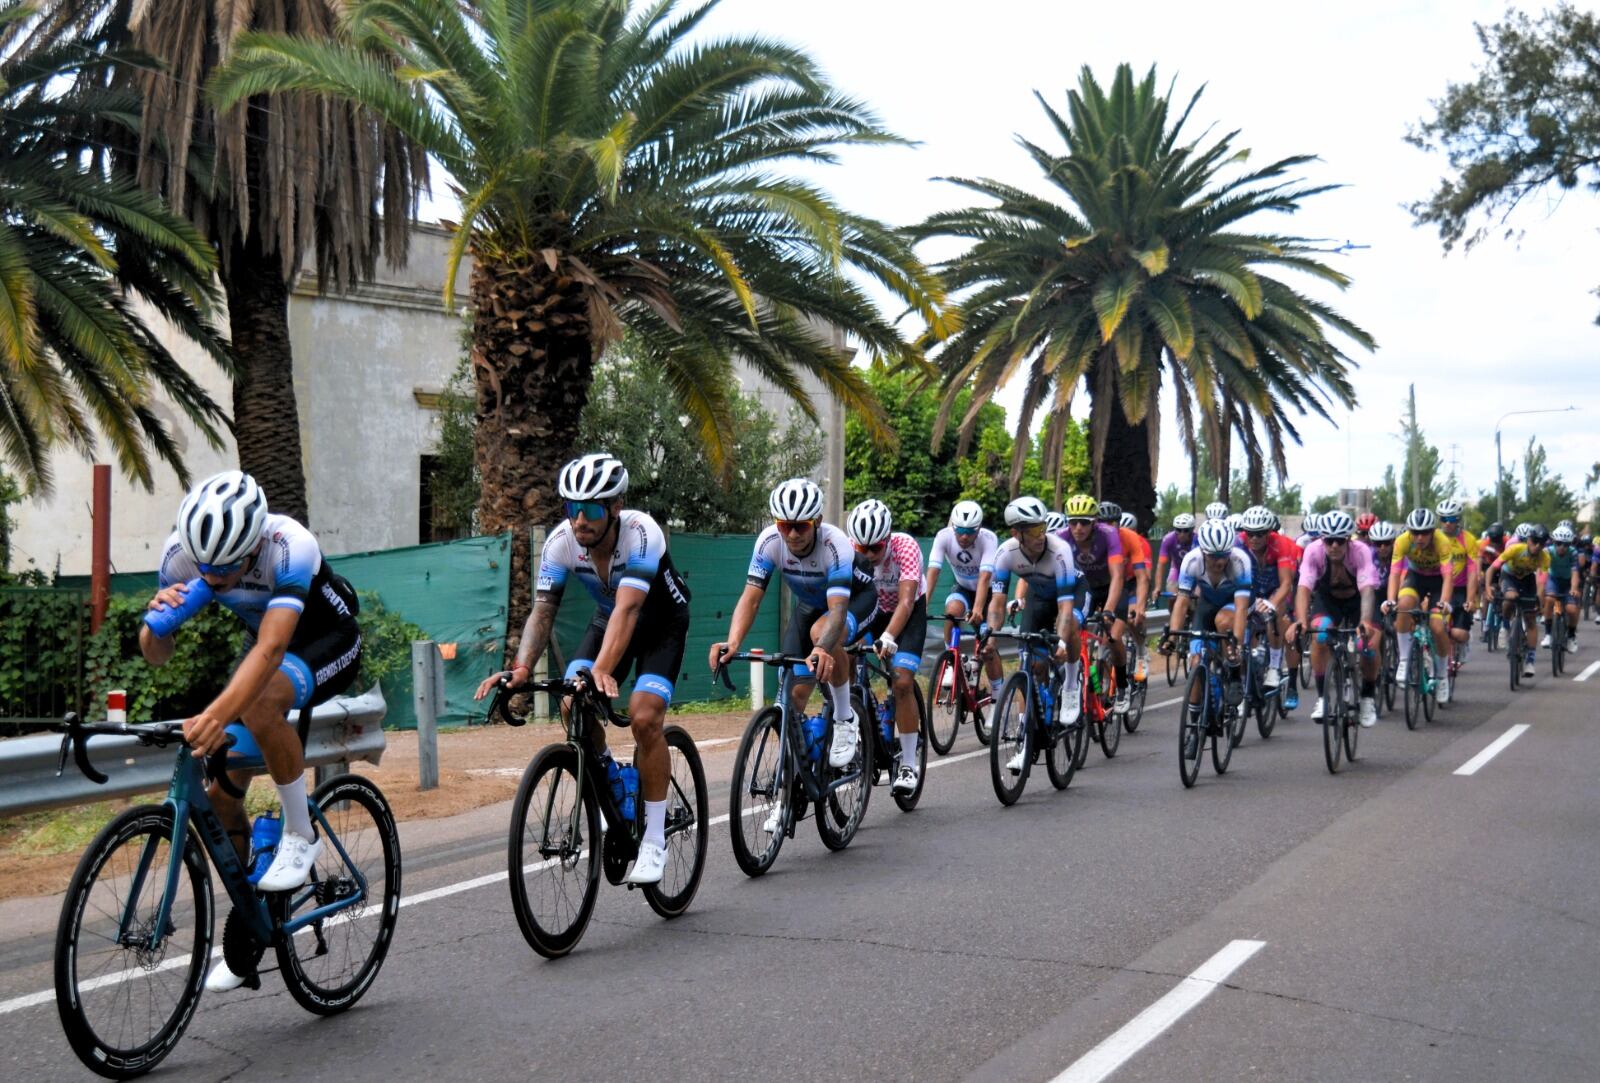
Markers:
(887, 645)
(1388, 606)
(1013, 607)
(983, 629)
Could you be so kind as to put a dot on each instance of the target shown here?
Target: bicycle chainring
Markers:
(617, 851)
(240, 949)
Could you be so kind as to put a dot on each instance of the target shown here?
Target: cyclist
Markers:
(1216, 510)
(301, 647)
(1097, 554)
(1426, 559)
(1274, 559)
(969, 547)
(1309, 531)
(641, 621)
(1562, 587)
(1338, 588)
(1055, 522)
(1465, 585)
(1043, 562)
(834, 598)
(901, 623)
(1174, 547)
(1491, 545)
(1147, 588)
(1524, 569)
(1381, 539)
(1215, 581)
(1364, 524)
(1136, 565)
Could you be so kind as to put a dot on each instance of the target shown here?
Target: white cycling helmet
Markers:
(1216, 510)
(796, 499)
(1523, 530)
(597, 476)
(222, 519)
(870, 522)
(1562, 535)
(1257, 518)
(1026, 511)
(1216, 537)
(1449, 509)
(967, 515)
(1421, 519)
(1565, 523)
(1382, 532)
(1183, 521)
(1054, 521)
(1337, 524)
(1234, 521)
(1312, 523)
(1127, 521)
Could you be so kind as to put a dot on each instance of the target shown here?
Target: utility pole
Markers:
(1455, 470)
(1413, 451)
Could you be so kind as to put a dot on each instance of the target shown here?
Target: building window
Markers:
(431, 526)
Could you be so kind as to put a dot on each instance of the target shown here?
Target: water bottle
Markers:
(630, 791)
(1094, 677)
(1048, 698)
(816, 728)
(163, 622)
(614, 778)
(263, 844)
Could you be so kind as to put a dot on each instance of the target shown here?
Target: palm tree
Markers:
(611, 174)
(266, 181)
(1134, 270)
(85, 260)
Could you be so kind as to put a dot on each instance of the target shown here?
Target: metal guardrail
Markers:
(343, 730)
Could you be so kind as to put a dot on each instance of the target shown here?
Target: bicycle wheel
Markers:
(1307, 680)
(761, 774)
(332, 962)
(1012, 739)
(1413, 692)
(1138, 692)
(1352, 704)
(1222, 741)
(1110, 733)
(1391, 662)
(908, 801)
(553, 859)
(946, 704)
(1192, 726)
(125, 1005)
(687, 816)
(1172, 668)
(1060, 754)
(1514, 649)
(839, 814)
(1430, 695)
(1333, 717)
(1558, 642)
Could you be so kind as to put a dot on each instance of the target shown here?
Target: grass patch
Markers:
(722, 705)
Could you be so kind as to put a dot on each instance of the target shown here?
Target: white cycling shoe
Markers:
(906, 780)
(649, 866)
(1443, 690)
(1319, 710)
(221, 979)
(1402, 670)
(1014, 765)
(1272, 678)
(1545, 642)
(843, 749)
(1369, 712)
(292, 864)
(770, 826)
(1572, 645)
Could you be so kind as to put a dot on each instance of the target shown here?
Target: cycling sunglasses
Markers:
(1450, 519)
(965, 531)
(1082, 522)
(220, 569)
(871, 550)
(1335, 541)
(1257, 533)
(792, 526)
(591, 510)
(1420, 533)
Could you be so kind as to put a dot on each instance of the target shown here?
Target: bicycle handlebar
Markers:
(75, 740)
(561, 686)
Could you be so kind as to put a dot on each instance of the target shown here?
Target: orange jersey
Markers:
(1135, 550)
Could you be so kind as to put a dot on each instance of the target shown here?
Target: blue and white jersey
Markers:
(1232, 585)
(965, 564)
(640, 561)
(826, 571)
(1054, 570)
(287, 572)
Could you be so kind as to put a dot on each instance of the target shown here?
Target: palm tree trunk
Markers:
(532, 362)
(266, 418)
(1127, 468)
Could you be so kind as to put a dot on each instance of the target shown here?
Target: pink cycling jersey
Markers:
(1357, 561)
(903, 561)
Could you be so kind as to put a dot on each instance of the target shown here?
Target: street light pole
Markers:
(1499, 469)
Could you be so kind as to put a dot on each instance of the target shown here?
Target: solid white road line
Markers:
(1149, 1024)
(1472, 766)
(34, 999)
(1588, 671)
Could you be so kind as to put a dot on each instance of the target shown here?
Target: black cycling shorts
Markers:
(797, 635)
(1342, 611)
(1425, 586)
(1099, 591)
(656, 652)
(908, 649)
(1526, 586)
(1462, 617)
(320, 665)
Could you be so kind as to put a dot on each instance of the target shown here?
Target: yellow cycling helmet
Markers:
(1082, 506)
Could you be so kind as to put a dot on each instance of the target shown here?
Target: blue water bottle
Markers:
(264, 838)
(614, 778)
(886, 719)
(816, 728)
(163, 622)
(630, 791)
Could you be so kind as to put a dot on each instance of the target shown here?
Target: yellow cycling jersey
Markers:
(1427, 558)
(1466, 547)
(1520, 563)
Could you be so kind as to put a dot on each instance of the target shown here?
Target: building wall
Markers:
(360, 361)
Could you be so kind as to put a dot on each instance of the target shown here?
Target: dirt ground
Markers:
(478, 765)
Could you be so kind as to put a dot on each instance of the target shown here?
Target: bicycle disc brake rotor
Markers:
(240, 949)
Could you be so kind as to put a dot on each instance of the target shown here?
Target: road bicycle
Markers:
(137, 924)
(1558, 638)
(1388, 663)
(1587, 606)
(886, 738)
(1516, 637)
(1303, 670)
(1493, 626)
(1100, 714)
(1207, 717)
(1341, 728)
(1178, 661)
(782, 767)
(1138, 679)
(1026, 721)
(957, 691)
(1265, 704)
(574, 817)
(1421, 690)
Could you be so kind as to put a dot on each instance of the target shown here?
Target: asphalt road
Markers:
(1398, 921)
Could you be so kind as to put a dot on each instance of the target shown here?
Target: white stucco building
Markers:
(366, 368)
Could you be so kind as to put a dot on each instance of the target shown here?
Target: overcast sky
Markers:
(1508, 327)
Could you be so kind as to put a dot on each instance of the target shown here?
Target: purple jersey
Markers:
(1093, 557)
(1174, 549)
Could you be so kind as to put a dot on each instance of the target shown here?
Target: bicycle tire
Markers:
(559, 931)
(138, 835)
(688, 812)
(1192, 727)
(1222, 741)
(1111, 733)
(840, 812)
(1060, 755)
(1172, 669)
(1333, 720)
(1391, 662)
(1430, 695)
(908, 801)
(947, 705)
(363, 825)
(1558, 641)
(1307, 678)
(1138, 692)
(1013, 733)
(754, 849)
(1515, 649)
(1351, 727)
(1413, 692)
